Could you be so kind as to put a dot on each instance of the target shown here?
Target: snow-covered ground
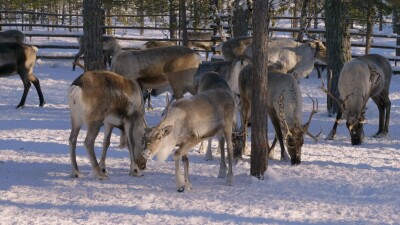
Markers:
(337, 183)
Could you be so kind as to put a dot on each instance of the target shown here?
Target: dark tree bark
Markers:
(240, 19)
(338, 45)
(370, 26)
(140, 13)
(182, 22)
(259, 128)
(173, 23)
(93, 34)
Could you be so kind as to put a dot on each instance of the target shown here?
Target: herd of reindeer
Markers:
(220, 91)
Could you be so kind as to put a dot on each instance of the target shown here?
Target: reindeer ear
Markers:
(166, 130)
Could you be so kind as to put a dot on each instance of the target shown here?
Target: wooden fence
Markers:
(35, 26)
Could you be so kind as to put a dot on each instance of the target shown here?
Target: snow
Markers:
(336, 183)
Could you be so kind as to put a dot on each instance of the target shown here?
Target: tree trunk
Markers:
(338, 45)
(140, 13)
(240, 22)
(173, 23)
(295, 21)
(259, 128)
(93, 35)
(303, 20)
(370, 24)
(182, 21)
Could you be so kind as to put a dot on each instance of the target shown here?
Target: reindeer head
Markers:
(320, 51)
(294, 142)
(355, 126)
(158, 141)
(294, 136)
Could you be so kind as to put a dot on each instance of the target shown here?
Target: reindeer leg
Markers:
(271, 149)
(106, 143)
(92, 132)
(36, 83)
(76, 126)
(332, 133)
(279, 135)
(383, 103)
(208, 155)
(130, 125)
(182, 182)
(229, 148)
(222, 165)
(27, 86)
(185, 161)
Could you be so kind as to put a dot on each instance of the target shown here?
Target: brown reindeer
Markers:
(19, 58)
(157, 67)
(98, 98)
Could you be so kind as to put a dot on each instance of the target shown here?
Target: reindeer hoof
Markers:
(181, 189)
(379, 135)
(135, 173)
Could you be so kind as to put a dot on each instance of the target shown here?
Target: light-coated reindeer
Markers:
(298, 61)
(19, 58)
(157, 67)
(360, 79)
(239, 46)
(98, 98)
(110, 48)
(191, 120)
(14, 36)
(285, 110)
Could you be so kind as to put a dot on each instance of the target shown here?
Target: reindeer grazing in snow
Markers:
(20, 58)
(157, 67)
(362, 78)
(192, 120)
(13, 36)
(98, 98)
(110, 48)
(285, 109)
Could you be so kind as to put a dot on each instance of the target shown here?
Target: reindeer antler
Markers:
(307, 125)
(80, 65)
(339, 102)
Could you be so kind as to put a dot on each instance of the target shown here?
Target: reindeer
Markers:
(156, 67)
(98, 98)
(156, 44)
(200, 40)
(298, 61)
(14, 36)
(20, 58)
(285, 110)
(191, 120)
(360, 79)
(110, 48)
(239, 46)
(235, 47)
